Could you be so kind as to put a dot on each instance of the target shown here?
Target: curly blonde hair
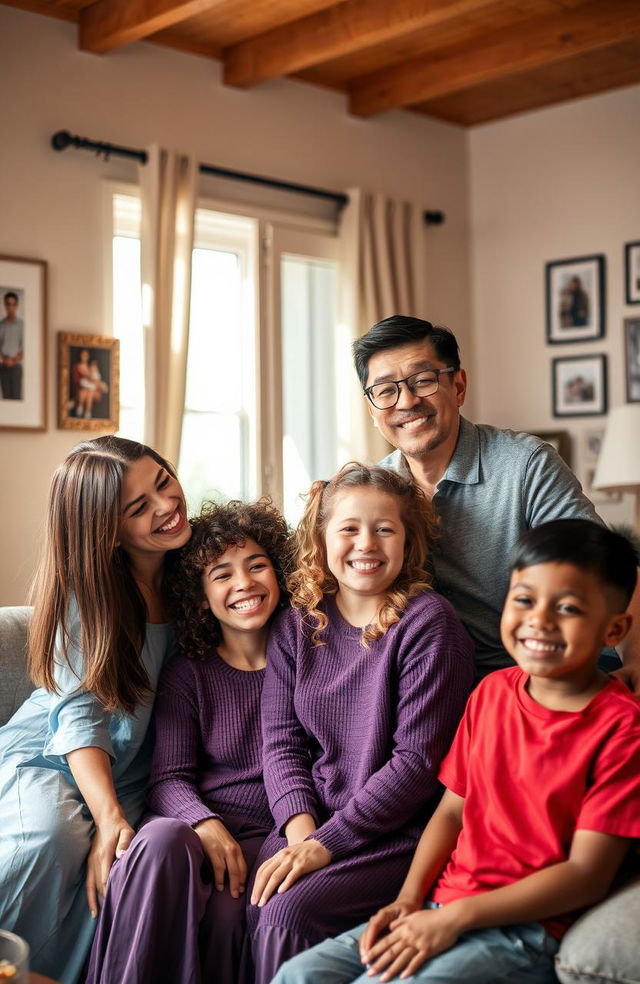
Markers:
(217, 528)
(312, 579)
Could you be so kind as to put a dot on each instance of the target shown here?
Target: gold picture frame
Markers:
(88, 382)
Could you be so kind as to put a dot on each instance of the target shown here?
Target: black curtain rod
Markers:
(63, 139)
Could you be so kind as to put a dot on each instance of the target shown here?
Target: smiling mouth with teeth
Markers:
(170, 526)
(365, 565)
(538, 646)
(247, 604)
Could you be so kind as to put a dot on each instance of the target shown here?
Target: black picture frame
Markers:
(632, 272)
(632, 358)
(579, 386)
(575, 292)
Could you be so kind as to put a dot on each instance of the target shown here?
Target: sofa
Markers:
(603, 947)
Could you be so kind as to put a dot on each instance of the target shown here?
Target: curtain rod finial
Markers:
(61, 140)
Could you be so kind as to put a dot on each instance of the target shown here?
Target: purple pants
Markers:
(162, 919)
(326, 902)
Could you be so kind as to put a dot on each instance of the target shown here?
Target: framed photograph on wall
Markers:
(575, 299)
(632, 358)
(88, 382)
(632, 272)
(579, 385)
(593, 445)
(23, 344)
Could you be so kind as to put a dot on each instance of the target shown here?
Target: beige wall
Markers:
(51, 203)
(549, 185)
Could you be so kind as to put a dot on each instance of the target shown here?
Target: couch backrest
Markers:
(15, 685)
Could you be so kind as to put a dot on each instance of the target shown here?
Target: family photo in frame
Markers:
(632, 272)
(575, 299)
(88, 382)
(23, 350)
(579, 385)
(632, 358)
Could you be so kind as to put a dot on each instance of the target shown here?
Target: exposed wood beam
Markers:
(109, 24)
(340, 30)
(533, 44)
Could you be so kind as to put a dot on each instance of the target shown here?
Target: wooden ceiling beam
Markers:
(340, 30)
(533, 44)
(109, 24)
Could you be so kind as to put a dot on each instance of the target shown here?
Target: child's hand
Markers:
(225, 855)
(282, 870)
(412, 940)
(383, 918)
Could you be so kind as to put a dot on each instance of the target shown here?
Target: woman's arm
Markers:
(91, 769)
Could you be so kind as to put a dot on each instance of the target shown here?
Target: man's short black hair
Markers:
(401, 330)
(11, 293)
(587, 545)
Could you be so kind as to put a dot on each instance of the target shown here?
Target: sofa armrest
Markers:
(15, 685)
(603, 946)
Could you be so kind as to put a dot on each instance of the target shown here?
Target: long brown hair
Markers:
(312, 578)
(81, 560)
(215, 530)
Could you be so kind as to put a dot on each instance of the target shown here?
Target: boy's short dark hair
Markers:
(402, 330)
(587, 545)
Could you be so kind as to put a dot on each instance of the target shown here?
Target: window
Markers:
(259, 412)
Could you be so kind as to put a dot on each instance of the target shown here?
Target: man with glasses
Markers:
(488, 485)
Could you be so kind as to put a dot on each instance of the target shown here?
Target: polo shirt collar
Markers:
(464, 466)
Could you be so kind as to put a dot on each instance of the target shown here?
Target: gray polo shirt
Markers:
(498, 484)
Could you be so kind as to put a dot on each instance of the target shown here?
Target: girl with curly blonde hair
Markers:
(175, 904)
(366, 680)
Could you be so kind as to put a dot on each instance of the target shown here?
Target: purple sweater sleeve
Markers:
(173, 789)
(287, 774)
(436, 668)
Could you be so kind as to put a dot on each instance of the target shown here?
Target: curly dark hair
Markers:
(217, 528)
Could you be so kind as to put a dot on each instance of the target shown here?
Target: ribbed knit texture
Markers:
(207, 760)
(355, 736)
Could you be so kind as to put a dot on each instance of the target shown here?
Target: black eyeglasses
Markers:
(385, 395)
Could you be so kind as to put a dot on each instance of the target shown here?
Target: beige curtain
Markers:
(167, 186)
(382, 273)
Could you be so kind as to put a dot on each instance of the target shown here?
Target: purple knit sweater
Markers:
(355, 736)
(207, 760)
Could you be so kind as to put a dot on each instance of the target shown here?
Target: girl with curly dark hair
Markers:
(367, 677)
(174, 908)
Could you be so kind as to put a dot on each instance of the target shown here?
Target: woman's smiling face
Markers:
(154, 514)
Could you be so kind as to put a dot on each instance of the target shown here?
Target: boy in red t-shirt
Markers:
(542, 788)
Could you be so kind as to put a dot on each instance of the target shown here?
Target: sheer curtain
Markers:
(167, 188)
(382, 273)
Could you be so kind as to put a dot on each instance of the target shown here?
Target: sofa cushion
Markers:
(603, 946)
(15, 685)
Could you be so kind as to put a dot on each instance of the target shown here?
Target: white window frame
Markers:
(277, 233)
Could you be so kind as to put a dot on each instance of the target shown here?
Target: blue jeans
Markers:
(520, 954)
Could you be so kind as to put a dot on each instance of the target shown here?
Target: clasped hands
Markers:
(414, 935)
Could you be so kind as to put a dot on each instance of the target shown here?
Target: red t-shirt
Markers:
(530, 777)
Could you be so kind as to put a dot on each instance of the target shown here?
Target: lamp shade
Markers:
(619, 461)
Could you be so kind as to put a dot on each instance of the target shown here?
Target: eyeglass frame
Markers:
(396, 382)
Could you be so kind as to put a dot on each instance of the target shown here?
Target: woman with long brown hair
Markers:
(74, 759)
